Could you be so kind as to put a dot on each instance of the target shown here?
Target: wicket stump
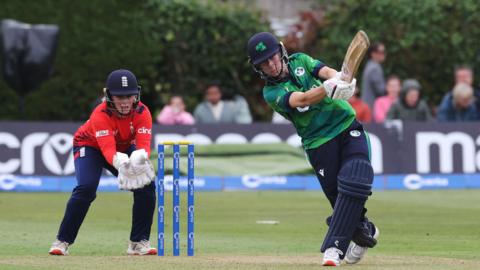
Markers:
(176, 197)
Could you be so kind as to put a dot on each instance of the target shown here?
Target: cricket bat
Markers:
(354, 56)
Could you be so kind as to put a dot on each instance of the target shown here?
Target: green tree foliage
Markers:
(96, 37)
(9, 103)
(199, 42)
(424, 39)
(171, 46)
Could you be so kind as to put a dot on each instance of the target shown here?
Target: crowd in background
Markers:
(378, 99)
(212, 110)
(396, 99)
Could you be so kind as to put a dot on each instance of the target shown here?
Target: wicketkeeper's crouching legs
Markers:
(88, 168)
(354, 186)
(142, 212)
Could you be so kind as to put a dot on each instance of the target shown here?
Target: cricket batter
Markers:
(312, 96)
(116, 137)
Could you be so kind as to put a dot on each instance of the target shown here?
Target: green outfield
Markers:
(419, 230)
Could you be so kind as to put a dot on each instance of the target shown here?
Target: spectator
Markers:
(458, 105)
(410, 106)
(215, 110)
(373, 82)
(383, 104)
(243, 115)
(363, 112)
(464, 74)
(174, 113)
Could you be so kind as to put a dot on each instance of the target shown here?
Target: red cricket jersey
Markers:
(109, 133)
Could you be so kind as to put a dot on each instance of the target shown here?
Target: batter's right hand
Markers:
(330, 86)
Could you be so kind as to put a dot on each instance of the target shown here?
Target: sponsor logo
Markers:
(355, 133)
(415, 181)
(10, 182)
(144, 130)
(321, 172)
(299, 71)
(254, 181)
(445, 144)
(191, 239)
(191, 213)
(50, 148)
(161, 213)
(336, 243)
(191, 187)
(182, 182)
(101, 133)
(43, 153)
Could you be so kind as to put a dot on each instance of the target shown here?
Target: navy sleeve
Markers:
(317, 68)
(286, 103)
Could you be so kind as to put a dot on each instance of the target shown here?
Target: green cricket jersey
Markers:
(315, 124)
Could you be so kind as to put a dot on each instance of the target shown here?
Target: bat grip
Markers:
(344, 75)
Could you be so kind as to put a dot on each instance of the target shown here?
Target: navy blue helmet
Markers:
(122, 82)
(261, 47)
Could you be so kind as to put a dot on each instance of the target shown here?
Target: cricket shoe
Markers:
(59, 248)
(331, 257)
(355, 252)
(141, 248)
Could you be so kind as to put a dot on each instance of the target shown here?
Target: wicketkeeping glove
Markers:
(137, 173)
(141, 164)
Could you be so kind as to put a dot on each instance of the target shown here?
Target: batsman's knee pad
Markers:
(355, 179)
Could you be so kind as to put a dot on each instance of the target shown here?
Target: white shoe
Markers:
(331, 257)
(141, 248)
(59, 248)
(355, 252)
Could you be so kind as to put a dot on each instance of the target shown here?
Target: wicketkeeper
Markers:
(311, 95)
(116, 137)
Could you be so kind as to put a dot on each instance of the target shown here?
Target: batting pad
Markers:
(354, 186)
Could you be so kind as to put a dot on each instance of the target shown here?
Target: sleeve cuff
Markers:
(317, 69)
(286, 103)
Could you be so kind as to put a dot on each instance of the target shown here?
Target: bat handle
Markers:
(344, 73)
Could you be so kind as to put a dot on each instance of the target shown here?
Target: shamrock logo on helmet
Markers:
(260, 47)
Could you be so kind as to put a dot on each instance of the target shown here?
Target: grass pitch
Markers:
(419, 230)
